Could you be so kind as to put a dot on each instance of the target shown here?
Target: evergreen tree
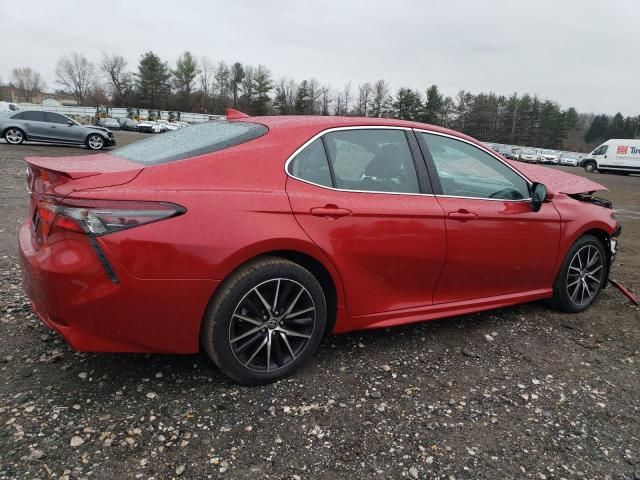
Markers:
(407, 105)
(235, 78)
(432, 112)
(598, 129)
(183, 77)
(262, 86)
(152, 81)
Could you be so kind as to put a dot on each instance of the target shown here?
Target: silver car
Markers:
(38, 126)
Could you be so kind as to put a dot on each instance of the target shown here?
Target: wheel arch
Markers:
(307, 256)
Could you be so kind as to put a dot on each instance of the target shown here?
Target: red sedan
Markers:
(255, 237)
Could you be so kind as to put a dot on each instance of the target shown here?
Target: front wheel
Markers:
(14, 136)
(590, 167)
(95, 142)
(582, 275)
(266, 321)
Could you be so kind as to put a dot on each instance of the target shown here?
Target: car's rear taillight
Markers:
(99, 217)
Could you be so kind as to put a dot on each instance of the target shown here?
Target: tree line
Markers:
(202, 85)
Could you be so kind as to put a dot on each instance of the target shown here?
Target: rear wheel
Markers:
(590, 167)
(14, 136)
(582, 275)
(95, 142)
(266, 322)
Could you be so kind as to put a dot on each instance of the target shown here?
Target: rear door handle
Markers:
(330, 211)
(463, 215)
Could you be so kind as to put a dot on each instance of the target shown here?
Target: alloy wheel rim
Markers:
(14, 136)
(95, 142)
(584, 275)
(272, 325)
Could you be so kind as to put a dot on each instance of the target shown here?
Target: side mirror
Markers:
(70, 123)
(538, 195)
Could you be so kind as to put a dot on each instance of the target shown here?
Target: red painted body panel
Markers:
(389, 250)
(395, 259)
(505, 249)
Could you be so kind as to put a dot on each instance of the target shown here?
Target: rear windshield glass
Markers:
(190, 142)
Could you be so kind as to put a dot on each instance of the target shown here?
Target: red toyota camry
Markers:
(254, 237)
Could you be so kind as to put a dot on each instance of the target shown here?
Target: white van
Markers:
(8, 107)
(614, 156)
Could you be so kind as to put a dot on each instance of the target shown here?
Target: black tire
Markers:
(565, 297)
(95, 141)
(14, 136)
(221, 323)
(590, 166)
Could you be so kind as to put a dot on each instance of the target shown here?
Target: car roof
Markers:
(319, 123)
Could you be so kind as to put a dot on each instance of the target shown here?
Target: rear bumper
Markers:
(72, 294)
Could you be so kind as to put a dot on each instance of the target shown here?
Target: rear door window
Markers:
(33, 116)
(372, 160)
(190, 142)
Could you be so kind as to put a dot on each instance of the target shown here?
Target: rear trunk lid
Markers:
(60, 176)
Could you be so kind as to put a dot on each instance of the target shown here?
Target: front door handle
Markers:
(462, 215)
(27, 124)
(330, 211)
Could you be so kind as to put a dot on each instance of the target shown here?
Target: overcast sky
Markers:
(582, 53)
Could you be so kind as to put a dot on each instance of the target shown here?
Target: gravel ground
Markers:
(521, 392)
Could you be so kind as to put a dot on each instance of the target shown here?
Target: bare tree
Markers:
(326, 99)
(314, 95)
(381, 98)
(120, 82)
(365, 92)
(207, 73)
(28, 81)
(347, 97)
(76, 74)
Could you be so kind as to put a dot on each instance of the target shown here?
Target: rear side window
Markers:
(190, 142)
(311, 165)
(33, 116)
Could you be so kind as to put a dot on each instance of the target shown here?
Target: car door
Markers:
(601, 156)
(34, 125)
(60, 130)
(496, 245)
(360, 195)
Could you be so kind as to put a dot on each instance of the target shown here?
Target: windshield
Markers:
(528, 151)
(190, 142)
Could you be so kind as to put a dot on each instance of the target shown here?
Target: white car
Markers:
(569, 160)
(528, 155)
(149, 126)
(8, 107)
(548, 156)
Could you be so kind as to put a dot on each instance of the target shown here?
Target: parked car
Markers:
(528, 155)
(255, 237)
(149, 126)
(128, 124)
(164, 125)
(548, 156)
(615, 155)
(569, 160)
(110, 123)
(39, 126)
(512, 153)
(8, 107)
